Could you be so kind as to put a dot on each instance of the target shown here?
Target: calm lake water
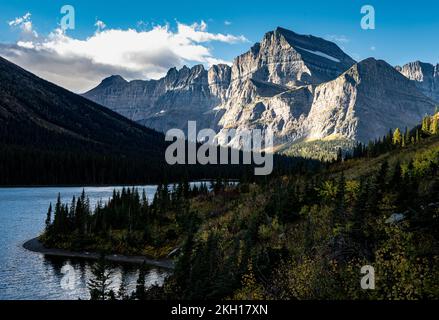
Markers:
(29, 275)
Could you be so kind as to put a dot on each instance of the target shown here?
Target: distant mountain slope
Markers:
(282, 60)
(49, 135)
(361, 104)
(40, 114)
(182, 95)
(365, 102)
(425, 75)
(300, 86)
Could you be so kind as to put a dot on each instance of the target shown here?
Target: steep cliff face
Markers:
(365, 102)
(284, 113)
(425, 75)
(271, 84)
(282, 61)
(361, 104)
(287, 59)
(218, 78)
(182, 95)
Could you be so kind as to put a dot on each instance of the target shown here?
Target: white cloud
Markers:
(80, 64)
(25, 24)
(19, 20)
(197, 32)
(227, 23)
(100, 25)
(373, 48)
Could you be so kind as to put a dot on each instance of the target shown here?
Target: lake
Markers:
(29, 275)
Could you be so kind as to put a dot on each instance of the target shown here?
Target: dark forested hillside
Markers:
(38, 113)
(50, 135)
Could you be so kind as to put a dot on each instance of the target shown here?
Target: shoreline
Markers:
(116, 185)
(35, 245)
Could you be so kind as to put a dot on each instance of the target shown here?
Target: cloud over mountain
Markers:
(79, 64)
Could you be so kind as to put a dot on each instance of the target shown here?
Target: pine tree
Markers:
(122, 293)
(340, 200)
(404, 138)
(339, 155)
(434, 129)
(140, 293)
(49, 218)
(57, 220)
(99, 284)
(418, 136)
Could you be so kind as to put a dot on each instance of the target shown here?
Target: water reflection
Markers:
(77, 273)
(29, 275)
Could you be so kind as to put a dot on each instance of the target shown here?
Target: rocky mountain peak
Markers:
(424, 75)
(113, 80)
(219, 77)
(301, 86)
(365, 102)
(284, 57)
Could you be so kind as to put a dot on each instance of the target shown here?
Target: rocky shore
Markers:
(35, 245)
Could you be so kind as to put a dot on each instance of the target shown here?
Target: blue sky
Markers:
(405, 31)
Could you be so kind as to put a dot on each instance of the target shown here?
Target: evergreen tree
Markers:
(339, 212)
(434, 125)
(418, 136)
(339, 155)
(122, 293)
(49, 218)
(99, 284)
(140, 293)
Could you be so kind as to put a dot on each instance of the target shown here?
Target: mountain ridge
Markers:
(29, 103)
(424, 75)
(274, 85)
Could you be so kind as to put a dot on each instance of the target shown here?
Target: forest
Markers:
(300, 235)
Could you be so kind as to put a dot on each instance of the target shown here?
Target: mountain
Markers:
(361, 104)
(38, 113)
(302, 87)
(288, 59)
(425, 75)
(282, 60)
(182, 95)
(365, 102)
(49, 135)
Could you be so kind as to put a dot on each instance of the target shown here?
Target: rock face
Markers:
(361, 104)
(425, 75)
(301, 87)
(289, 59)
(182, 95)
(365, 102)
